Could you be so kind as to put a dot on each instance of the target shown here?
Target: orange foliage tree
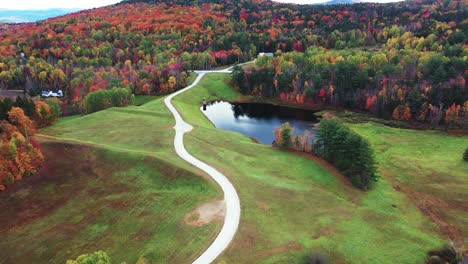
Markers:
(25, 125)
(19, 157)
(43, 115)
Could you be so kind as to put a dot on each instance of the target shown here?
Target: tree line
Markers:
(403, 84)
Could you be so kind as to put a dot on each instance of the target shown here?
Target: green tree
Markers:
(28, 106)
(55, 109)
(238, 77)
(284, 136)
(102, 99)
(286, 132)
(5, 106)
(348, 151)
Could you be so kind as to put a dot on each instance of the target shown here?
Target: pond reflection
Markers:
(259, 120)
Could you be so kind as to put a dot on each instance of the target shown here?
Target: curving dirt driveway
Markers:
(231, 199)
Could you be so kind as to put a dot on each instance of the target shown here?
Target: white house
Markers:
(267, 54)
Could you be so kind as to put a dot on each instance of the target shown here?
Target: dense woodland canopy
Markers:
(149, 46)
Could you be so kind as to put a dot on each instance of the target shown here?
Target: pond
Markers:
(258, 120)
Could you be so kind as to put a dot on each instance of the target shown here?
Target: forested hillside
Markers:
(362, 54)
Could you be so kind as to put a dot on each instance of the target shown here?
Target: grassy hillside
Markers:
(113, 182)
(146, 129)
(87, 198)
(292, 206)
(428, 167)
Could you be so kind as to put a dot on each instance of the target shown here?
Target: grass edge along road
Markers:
(291, 205)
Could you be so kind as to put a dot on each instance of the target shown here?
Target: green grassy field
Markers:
(292, 206)
(145, 129)
(112, 182)
(143, 99)
(428, 167)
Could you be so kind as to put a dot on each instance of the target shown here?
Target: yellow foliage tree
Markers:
(172, 82)
(43, 114)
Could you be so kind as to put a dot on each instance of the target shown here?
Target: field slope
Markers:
(112, 182)
(292, 206)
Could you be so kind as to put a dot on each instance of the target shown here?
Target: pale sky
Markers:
(46, 4)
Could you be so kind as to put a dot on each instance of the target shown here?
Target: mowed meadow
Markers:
(428, 167)
(114, 182)
(293, 206)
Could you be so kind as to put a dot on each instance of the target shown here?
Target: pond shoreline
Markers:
(258, 121)
(356, 116)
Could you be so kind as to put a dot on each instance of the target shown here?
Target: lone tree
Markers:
(465, 155)
(283, 136)
(348, 151)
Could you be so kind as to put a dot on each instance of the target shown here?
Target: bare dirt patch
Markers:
(206, 213)
(432, 206)
(263, 205)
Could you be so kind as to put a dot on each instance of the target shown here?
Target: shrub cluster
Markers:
(348, 151)
(44, 112)
(102, 99)
(47, 112)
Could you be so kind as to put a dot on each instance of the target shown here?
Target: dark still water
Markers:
(259, 120)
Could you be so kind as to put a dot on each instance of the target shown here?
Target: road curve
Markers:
(231, 199)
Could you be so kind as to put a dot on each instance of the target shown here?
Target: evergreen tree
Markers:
(348, 151)
(286, 137)
(5, 106)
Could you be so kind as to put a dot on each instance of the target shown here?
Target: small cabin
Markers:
(48, 93)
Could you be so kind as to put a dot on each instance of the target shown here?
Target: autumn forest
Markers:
(411, 54)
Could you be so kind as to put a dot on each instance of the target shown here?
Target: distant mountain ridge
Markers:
(22, 16)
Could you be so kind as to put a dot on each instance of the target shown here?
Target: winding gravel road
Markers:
(231, 199)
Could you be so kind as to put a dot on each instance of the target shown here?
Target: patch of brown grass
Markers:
(206, 213)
